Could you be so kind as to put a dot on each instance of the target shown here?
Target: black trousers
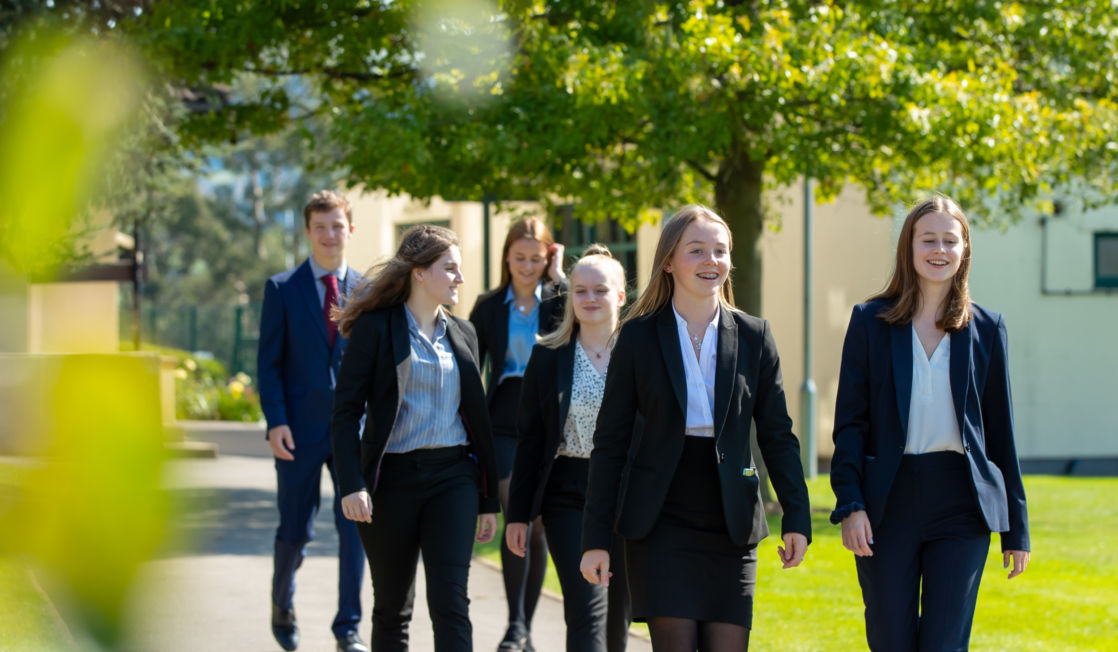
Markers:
(596, 619)
(426, 501)
(921, 584)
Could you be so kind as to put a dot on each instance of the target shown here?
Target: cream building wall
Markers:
(852, 258)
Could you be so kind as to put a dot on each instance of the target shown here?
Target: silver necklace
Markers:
(696, 341)
(597, 354)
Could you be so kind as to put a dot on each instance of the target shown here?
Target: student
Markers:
(298, 358)
(559, 405)
(925, 465)
(685, 493)
(422, 473)
(507, 320)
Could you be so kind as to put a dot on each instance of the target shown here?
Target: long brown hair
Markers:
(904, 287)
(389, 283)
(661, 285)
(531, 228)
(596, 255)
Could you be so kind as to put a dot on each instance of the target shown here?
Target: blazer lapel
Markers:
(673, 358)
(566, 372)
(901, 338)
(306, 282)
(500, 339)
(401, 352)
(726, 362)
(960, 368)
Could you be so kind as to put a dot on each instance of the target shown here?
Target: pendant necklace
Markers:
(696, 341)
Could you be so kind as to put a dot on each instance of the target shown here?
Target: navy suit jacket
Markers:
(871, 417)
(296, 366)
(630, 473)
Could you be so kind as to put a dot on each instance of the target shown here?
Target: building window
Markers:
(1106, 260)
(577, 235)
(401, 227)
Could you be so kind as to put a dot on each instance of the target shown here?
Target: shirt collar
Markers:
(319, 271)
(509, 296)
(413, 325)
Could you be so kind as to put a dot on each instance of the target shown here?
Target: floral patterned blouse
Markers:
(587, 387)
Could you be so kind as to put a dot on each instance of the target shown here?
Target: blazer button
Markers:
(966, 447)
(721, 457)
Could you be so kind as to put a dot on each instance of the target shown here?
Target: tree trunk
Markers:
(737, 194)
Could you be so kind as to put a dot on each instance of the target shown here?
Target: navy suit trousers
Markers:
(921, 584)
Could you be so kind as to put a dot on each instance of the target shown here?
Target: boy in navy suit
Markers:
(300, 350)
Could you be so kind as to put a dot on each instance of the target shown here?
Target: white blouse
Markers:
(587, 387)
(932, 425)
(700, 376)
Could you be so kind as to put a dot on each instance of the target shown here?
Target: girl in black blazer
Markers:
(684, 491)
(558, 411)
(925, 465)
(422, 475)
(507, 320)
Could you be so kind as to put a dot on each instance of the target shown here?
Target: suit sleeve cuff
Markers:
(846, 510)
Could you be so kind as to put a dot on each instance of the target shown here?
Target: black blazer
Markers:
(490, 317)
(630, 475)
(871, 417)
(371, 382)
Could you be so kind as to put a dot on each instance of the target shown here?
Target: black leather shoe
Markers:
(351, 642)
(285, 628)
(515, 640)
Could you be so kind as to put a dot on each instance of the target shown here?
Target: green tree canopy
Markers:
(632, 107)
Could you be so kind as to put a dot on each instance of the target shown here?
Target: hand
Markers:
(1020, 559)
(595, 567)
(516, 537)
(486, 528)
(358, 506)
(792, 553)
(556, 270)
(857, 535)
(282, 442)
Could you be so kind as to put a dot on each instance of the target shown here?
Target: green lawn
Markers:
(1067, 600)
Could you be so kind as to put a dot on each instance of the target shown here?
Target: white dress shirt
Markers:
(700, 375)
(932, 425)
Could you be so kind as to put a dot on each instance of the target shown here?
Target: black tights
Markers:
(684, 635)
(523, 575)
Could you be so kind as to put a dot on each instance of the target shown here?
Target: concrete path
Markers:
(209, 590)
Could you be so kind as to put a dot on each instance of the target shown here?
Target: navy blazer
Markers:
(490, 317)
(630, 473)
(371, 383)
(871, 417)
(295, 365)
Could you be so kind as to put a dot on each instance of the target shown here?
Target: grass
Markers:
(1067, 600)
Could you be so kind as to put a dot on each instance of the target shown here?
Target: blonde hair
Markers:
(661, 285)
(904, 287)
(389, 283)
(531, 228)
(596, 255)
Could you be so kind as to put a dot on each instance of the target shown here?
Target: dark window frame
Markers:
(1101, 280)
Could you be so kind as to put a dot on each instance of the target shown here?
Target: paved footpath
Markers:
(209, 590)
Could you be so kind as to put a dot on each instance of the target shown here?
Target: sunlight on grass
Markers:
(1067, 600)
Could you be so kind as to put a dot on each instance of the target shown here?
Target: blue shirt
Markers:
(523, 327)
(319, 271)
(428, 416)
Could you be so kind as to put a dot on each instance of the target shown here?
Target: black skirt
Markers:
(688, 567)
(502, 416)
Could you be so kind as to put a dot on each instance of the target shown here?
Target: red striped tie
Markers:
(331, 282)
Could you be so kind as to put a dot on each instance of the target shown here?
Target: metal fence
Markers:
(228, 333)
